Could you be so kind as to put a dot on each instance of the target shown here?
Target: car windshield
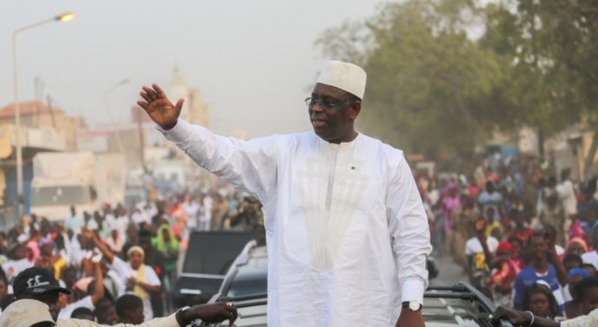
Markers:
(247, 287)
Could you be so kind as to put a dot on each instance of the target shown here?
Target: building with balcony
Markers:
(43, 128)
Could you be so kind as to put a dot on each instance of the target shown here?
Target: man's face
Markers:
(132, 233)
(69, 277)
(516, 249)
(518, 218)
(146, 242)
(590, 269)
(47, 249)
(570, 264)
(135, 316)
(333, 113)
(63, 300)
(573, 281)
(590, 300)
(20, 252)
(112, 316)
(538, 248)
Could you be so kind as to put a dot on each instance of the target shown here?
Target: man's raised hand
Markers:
(158, 107)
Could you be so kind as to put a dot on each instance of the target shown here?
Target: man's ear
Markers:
(355, 109)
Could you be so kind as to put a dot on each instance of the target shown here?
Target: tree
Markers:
(429, 84)
(552, 46)
(433, 86)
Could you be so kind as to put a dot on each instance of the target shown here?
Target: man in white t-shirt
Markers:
(139, 216)
(82, 286)
(566, 193)
(17, 262)
(192, 210)
(490, 198)
(205, 220)
(74, 222)
(109, 219)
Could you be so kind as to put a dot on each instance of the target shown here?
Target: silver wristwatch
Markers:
(412, 305)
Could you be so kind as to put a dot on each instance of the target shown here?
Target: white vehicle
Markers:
(85, 180)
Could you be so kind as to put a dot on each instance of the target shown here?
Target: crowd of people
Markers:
(526, 240)
(524, 237)
(120, 264)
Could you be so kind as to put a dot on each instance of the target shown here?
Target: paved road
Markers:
(449, 274)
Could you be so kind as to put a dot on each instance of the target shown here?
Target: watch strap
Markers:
(180, 316)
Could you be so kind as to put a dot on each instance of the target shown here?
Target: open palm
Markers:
(159, 108)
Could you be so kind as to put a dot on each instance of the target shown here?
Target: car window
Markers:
(247, 287)
(213, 252)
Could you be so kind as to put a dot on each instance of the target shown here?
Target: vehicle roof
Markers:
(259, 251)
(249, 267)
(457, 305)
(255, 267)
(255, 253)
(252, 272)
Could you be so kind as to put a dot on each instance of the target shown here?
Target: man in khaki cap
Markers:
(27, 313)
(36, 290)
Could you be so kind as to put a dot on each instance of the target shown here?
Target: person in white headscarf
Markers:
(139, 278)
(347, 233)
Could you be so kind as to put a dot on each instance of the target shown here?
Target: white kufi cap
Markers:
(345, 76)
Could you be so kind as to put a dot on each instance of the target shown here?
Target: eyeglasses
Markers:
(311, 102)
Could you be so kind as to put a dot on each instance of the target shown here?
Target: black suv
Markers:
(248, 275)
(246, 285)
(206, 262)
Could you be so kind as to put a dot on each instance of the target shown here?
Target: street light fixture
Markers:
(65, 17)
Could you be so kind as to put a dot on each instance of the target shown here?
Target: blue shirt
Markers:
(528, 276)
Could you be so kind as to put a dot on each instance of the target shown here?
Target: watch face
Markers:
(414, 306)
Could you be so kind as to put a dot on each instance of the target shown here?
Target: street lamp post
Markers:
(119, 141)
(18, 146)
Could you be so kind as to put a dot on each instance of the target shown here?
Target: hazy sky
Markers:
(254, 60)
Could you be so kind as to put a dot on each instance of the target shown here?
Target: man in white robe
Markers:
(346, 230)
